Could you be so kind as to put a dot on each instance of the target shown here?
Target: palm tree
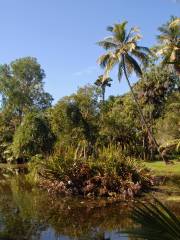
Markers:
(169, 43)
(122, 50)
(103, 83)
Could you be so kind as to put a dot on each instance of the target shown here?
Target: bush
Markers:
(32, 137)
(110, 174)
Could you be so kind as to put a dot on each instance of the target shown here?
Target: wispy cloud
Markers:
(86, 71)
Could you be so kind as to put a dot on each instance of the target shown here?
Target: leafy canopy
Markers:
(122, 50)
(22, 87)
(33, 136)
(169, 42)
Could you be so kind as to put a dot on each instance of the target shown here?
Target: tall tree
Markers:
(22, 87)
(169, 43)
(74, 119)
(122, 50)
(103, 83)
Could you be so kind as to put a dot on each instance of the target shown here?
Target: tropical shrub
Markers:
(109, 174)
(33, 136)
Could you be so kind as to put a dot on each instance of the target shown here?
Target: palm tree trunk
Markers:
(142, 116)
(103, 94)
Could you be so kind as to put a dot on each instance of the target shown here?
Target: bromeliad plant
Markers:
(109, 174)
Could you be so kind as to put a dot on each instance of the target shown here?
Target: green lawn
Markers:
(159, 168)
(169, 177)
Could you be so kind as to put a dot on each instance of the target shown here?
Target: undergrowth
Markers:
(108, 174)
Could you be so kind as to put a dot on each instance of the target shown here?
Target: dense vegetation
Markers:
(86, 144)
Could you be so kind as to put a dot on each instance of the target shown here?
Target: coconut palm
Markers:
(123, 51)
(169, 43)
(103, 83)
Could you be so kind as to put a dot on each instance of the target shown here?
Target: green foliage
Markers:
(32, 137)
(169, 43)
(74, 119)
(21, 87)
(154, 88)
(120, 125)
(103, 83)
(168, 126)
(80, 133)
(123, 50)
(110, 173)
(111, 160)
(21, 91)
(6, 136)
(157, 222)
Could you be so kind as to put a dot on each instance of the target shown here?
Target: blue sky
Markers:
(62, 35)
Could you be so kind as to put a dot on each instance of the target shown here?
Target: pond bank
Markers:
(166, 184)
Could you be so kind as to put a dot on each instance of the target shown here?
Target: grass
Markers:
(159, 168)
(169, 179)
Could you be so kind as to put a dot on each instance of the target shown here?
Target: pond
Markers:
(30, 213)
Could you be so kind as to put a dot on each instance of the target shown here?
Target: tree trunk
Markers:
(103, 94)
(141, 114)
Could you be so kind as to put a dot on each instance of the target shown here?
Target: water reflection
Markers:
(28, 213)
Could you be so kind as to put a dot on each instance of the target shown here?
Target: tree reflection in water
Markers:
(28, 213)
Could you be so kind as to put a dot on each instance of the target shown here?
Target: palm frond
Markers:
(103, 60)
(98, 81)
(108, 84)
(103, 81)
(110, 28)
(169, 41)
(132, 32)
(141, 56)
(157, 222)
(107, 81)
(120, 31)
(107, 43)
(113, 60)
(143, 49)
(133, 63)
(120, 44)
(128, 66)
(135, 37)
(175, 23)
(130, 46)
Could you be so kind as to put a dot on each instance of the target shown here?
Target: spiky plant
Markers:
(103, 83)
(169, 43)
(123, 51)
(156, 221)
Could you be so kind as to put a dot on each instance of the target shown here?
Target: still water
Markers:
(28, 213)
